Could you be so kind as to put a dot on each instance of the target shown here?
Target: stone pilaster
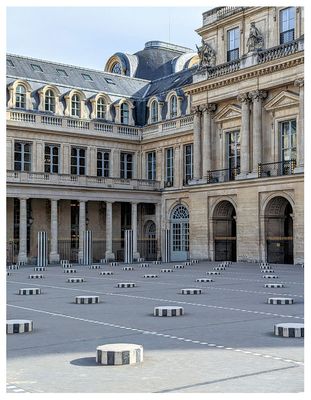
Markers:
(197, 143)
(134, 229)
(109, 254)
(22, 255)
(207, 139)
(54, 256)
(82, 227)
(244, 149)
(158, 228)
(300, 130)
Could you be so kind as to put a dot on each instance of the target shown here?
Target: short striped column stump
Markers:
(204, 280)
(106, 273)
(87, 299)
(70, 271)
(144, 265)
(289, 329)
(140, 259)
(274, 285)
(150, 276)
(35, 276)
(156, 262)
(62, 262)
(20, 263)
(95, 266)
(25, 291)
(280, 300)
(11, 267)
(219, 268)
(75, 280)
(19, 326)
(267, 271)
(39, 269)
(166, 270)
(226, 263)
(67, 266)
(168, 311)
(103, 261)
(126, 284)
(191, 291)
(195, 261)
(270, 276)
(264, 265)
(187, 263)
(176, 266)
(119, 354)
(114, 264)
(128, 269)
(213, 273)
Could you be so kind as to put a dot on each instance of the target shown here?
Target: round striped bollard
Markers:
(35, 276)
(19, 326)
(267, 271)
(270, 276)
(265, 267)
(150, 276)
(75, 280)
(191, 291)
(280, 300)
(87, 299)
(126, 285)
(64, 262)
(274, 285)
(195, 261)
(156, 262)
(140, 260)
(219, 268)
(187, 263)
(128, 269)
(204, 280)
(114, 264)
(289, 329)
(168, 311)
(106, 273)
(144, 265)
(70, 271)
(39, 269)
(26, 291)
(119, 354)
(177, 266)
(213, 273)
(13, 267)
(166, 270)
(21, 263)
(95, 266)
(103, 261)
(67, 266)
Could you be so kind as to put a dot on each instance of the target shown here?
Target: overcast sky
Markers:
(88, 36)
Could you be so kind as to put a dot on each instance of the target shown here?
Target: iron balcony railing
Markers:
(222, 175)
(278, 168)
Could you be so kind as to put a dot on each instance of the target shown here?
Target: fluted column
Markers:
(54, 256)
(22, 255)
(109, 254)
(207, 138)
(134, 229)
(81, 228)
(197, 143)
(244, 149)
(257, 96)
(300, 130)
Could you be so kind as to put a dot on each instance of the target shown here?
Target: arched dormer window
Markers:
(20, 96)
(101, 108)
(173, 106)
(124, 114)
(49, 101)
(75, 105)
(173, 101)
(154, 112)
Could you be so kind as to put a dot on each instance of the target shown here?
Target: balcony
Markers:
(219, 13)
(167, 127)
(68, 180)
(279, 168)
(222, 175)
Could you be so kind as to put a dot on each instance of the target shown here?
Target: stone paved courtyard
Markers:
(223, 343)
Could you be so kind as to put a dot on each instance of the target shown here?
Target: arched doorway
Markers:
(224, 224)
(279, 231)
(180, 233)
(150, 241)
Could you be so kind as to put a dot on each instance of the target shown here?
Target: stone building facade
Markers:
(201, 154)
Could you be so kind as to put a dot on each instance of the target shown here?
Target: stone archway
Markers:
(279, 231)
(179, 233)
(224, 231)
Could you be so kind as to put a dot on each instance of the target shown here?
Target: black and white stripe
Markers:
(128, 269)
(95, 266)
(145, 265)
(103, 261)
(157, 262)
(114, 264)
(213, 273)
(219, 268)
(179, 266)
(87, 247)
(21, 263)
(289, 329)
(62, 262)
(191, 291)
(204, 280)
(39, 269)
(168, 311)
(150, 276)
(66, 266)
(19, 326)
(270, 276)
(140, 259)
(267, 271)
(42, 260)
(274, 285)
(29, 291)
(280, 300)
(187, 263)
(195, 261)
(87, 299)
(167, 246)
(75, 280)
(128, 246)
(126, 285)
(166, 270)
(70, 271)
(119, 354)
(13, 267)
(35, 276)
(106, 273)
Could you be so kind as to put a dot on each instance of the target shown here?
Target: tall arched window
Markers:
(179, 233)
(173, 107)
(75, 106)
(20, 97)
(154, 112)
(124, 113)
(49, 101)
(101, 108)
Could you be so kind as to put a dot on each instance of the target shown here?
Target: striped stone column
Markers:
(82, 227)
(22, 255)
(54, 256)
(42, 260)
(109, 255)
(87, 247)
(134, 229)
(128, 246)
(166, 257)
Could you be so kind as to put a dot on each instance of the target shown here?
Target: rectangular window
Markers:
(126, 165)
(103, 163)
(22, 156)
(233, 152)
(51, 158)
(287, 25)
(188, 163)
(169, 166)
(288, 140)
(151, 165)
(78, 161)
(233, 44)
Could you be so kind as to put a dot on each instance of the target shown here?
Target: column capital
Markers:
(53, 199)
(196, 109)
(23, 198)
(243, 98)
(257, 95)
(209, 108)
(299, 82)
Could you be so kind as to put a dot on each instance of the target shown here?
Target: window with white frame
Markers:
(188, 162)
(151, 165)
(49, 101)
(169, 165)
(51, 158)
(288, 140)
(233, 44)
(101, 108)
(173, 106)
(76, 106)
(22, 156)
(124, 117)
(287, 25)
(78, 161)
(154, 112)
(126, 165)
(233, 153)
(20, 96)
(103, 163)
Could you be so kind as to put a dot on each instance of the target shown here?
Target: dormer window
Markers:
(173, 107)
(86, 77)
(20, 97)
(36, 67)
(124, 114)
(101, 108)
(75, 106)
(110, 81)
(117, 69)
(154, 112)
(49, 101)
(61, 72)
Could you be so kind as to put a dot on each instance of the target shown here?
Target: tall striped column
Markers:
(87, 248)
(42, 260)
(128, 246)
(167, 245)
